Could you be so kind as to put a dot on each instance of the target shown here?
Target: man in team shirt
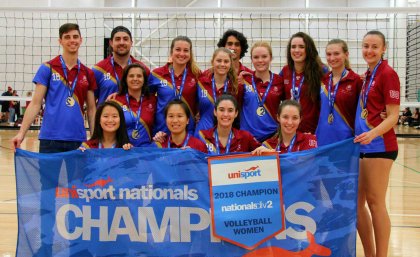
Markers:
(108, 72)
(237, 43)
(65, 84)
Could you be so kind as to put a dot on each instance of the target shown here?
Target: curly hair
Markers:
(241, 38)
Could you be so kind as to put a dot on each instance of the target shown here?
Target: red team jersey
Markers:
(160, 81)
(106, 76)
(310, 110)
(385, 90)
(275, 95)
(303, 142)
(193, 142)
(242, 141)
(147, 116)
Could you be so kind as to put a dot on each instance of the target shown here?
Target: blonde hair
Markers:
(231, 73)
(344, 47)
(262, 44)
(192, 64)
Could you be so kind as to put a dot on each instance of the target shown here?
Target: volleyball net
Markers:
(29, 37)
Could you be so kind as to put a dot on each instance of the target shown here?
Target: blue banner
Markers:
(155, 202)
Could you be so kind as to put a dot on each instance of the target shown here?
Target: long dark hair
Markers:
(123, 87)
(228, 97)
(313, 65)
(121, 133)
(283, 104)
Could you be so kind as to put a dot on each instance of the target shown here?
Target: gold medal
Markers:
(70, 101)
(135, 134)
(364, 113)
(260, 111)
(330, 118)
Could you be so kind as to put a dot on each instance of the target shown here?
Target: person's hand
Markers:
(111, 97)
(160, 137)
(262, 149)
(82, 149)
(127, 146)
(365, 138)
(241, 75)
(16, 141)
(383, 115)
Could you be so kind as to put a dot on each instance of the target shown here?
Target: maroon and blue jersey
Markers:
(261, 123)
(343, 112)
(107, 77)
(385, 90)
(241, 141)
(192, 142)
(205, 96)
(62, 122)
(160, 81)
(146, 119)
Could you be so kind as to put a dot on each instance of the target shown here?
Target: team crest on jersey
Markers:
(394, 94)
(348, 87)
(150, 107)
(248, 88)
(286, 81)
(193, 80)
(275, 89)
(124, 107)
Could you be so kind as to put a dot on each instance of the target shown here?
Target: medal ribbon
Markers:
(290, 147)
(331, 96)
(213, 85)
(138, 111)
(181, 88)
(185, 141)
(73, 85)
(115, 71)
(264, 98)
(365, 91)
(216, 136)
(296, 91)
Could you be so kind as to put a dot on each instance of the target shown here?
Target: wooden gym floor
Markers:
(403, 196)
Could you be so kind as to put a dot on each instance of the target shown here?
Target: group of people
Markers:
(9, 109)
(409, 118)
(229, 107)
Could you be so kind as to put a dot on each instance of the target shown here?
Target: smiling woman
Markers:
(263, 91)
(219, 79)
(176, 80)
(225, 138)
(138, 104)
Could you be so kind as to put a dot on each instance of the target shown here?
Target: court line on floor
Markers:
(409, 168)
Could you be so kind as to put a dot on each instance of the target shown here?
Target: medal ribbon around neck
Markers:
(73, 85)
(115, 71)
(296, 91)
(216, 137)
(331, 96)
(213, 85)
(181, 88)
(183, 145)
(137, 126)
(290, 147)
(264, 98)
(365, 91)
